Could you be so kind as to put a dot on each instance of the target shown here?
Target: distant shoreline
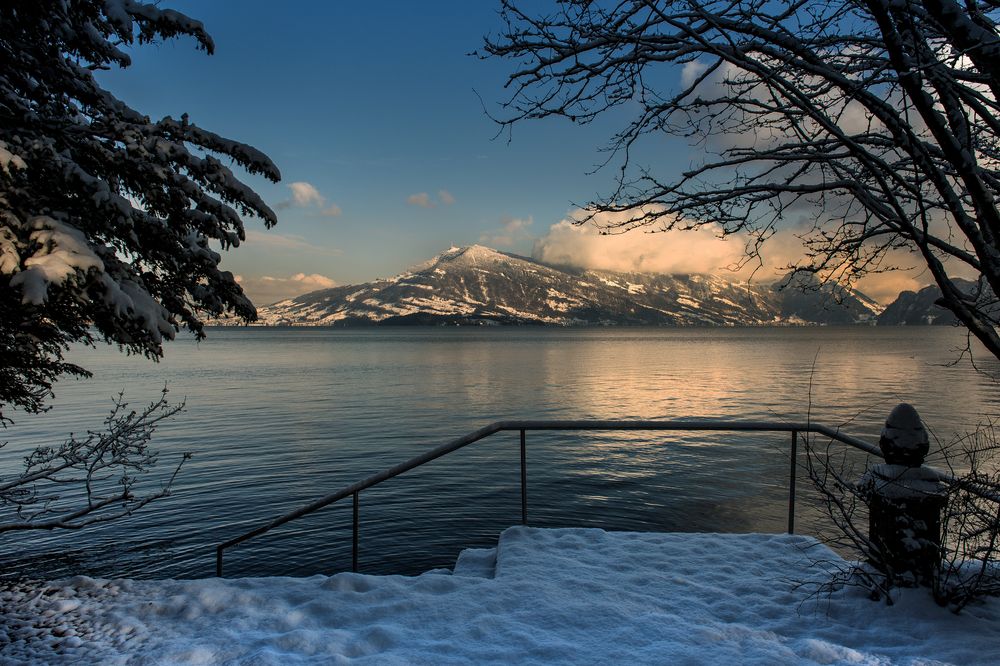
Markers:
(543, 325)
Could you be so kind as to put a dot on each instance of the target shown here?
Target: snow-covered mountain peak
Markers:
(469, 255)
(480, 285)
(472, 254)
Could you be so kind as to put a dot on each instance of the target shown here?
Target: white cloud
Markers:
(424, 200)
(703, 251)
(696, 251)
(512, 230)
(691, 71)
(784, 248)
(763, 130)
(267, 289)
(421, 199)
(305, 195)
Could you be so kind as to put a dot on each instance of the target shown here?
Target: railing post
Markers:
(791, 482)
(905, 503)
(354, 537)
(524, 482)
(523, 426)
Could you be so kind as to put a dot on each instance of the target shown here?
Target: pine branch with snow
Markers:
(109, 221)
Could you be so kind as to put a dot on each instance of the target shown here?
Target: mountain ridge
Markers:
(920, 308)
(477, 285)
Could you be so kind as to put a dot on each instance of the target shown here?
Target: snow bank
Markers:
(544, 596)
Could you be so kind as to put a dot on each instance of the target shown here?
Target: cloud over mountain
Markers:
(583, 246)
(697, 251)
(267, 289)
(512, 230)
(481, 286)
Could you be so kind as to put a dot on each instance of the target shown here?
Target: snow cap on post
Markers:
(904, 439)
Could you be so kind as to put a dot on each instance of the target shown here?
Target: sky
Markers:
(376, 115)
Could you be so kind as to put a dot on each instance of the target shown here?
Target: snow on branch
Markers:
(90, 480)
(869, 127)
(109, 221)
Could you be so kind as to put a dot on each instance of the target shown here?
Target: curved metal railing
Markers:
(355, 489)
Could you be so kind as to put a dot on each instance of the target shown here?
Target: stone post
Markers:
(905, 501)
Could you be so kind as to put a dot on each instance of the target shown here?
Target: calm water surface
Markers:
(278, 417)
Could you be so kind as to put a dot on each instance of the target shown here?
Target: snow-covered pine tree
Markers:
(109, 221)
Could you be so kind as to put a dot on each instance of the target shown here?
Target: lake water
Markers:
(278, 417)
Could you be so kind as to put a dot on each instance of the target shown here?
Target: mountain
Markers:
(918, 308)
(804, 297)
(478, 285)
(913, 308)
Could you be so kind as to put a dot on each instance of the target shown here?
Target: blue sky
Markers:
(372, 105)
(374, 114)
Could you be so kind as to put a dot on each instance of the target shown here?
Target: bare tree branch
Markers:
(880, 117)
(91, 480)
(969, 565)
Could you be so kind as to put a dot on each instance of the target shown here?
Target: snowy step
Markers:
(569, 596)
(525, 552)
(476, 563)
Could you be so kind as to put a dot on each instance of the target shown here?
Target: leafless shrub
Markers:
(970, 526)
(967, 563)
(89, 480)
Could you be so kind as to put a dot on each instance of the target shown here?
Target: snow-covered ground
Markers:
(543, 596)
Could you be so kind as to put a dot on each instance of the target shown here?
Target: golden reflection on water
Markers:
(278, 417)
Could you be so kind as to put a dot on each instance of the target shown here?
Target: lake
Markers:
(277, 417)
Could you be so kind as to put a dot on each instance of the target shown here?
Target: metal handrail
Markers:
(355, 489)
